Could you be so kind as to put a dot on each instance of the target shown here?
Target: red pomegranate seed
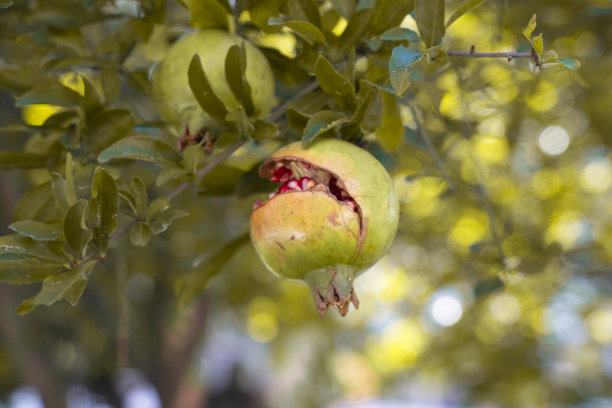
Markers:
(284, 189)
(293, 184)
(306, 183)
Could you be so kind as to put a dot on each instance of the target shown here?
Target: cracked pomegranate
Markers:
(334, 215)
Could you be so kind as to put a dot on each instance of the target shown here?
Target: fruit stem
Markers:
(333, 286)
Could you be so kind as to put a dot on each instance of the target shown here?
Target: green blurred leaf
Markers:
(368, 93)
(68, 285)
(103, 208)
(297, 120)
(238, 118)
(169, 174)
(400, 34)
(139, 193)
(356, 29)
(38, 231)
(334, 83)
(107, 127)
(141, 148)
(308, 31)
(161, 219)
(92, 102)
(198, 279)
(192, 157)
(26, 271)
(429, 16)
(391, 131)
(75, 229)
(18, 247)
(235, 68)
(310, 8)
(207, 14)
(111, 84)
(58, 188)
(570, 63)
(6, 3)
(345, 8)
(35, 204)
(488, 286)
(70, 190)
(263, 130)
(390, 13)
(52, 94)
(20, 160)
(320, 123)
(466, 6)
(140, 234)
(399, 63)
(203, 91)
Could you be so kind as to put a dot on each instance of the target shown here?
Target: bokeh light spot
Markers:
(446, 310)
(398, 347)
(490, 149)
(505, 309)
(545, 97)
(599, 323)
(596, 177)
(554, 140)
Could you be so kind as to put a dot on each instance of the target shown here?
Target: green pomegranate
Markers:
(334, 215)
(173, 95)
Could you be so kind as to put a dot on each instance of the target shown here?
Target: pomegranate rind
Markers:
(298, 232)
(367, 182)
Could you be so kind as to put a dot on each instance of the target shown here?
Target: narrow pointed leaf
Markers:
(92, 102)
(70, 190)
(334, 83)
(18, 247)
(203, 91)
(141, 148)
(26, 271)
(528, 30)
(103, 208)
(235, 69)
(38, 231)
(58, 188)
(429, 15)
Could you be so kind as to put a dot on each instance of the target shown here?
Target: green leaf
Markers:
(26, 271)
(207, 14)
(391, 130)
(140, 234)
(390, 13)
(570, 63)
(18, 247)
(488, 286)
(466, 6)
(238, 118)
(308, 31)
(235, 68)
(319, 123)
(297, 120)
(310, 8)
(203, 91)
(528, 30)
(36, 204)
(58, 188)
(345, 8)
(70, 190)
(334, 83)
(263, 130)
(139, 193)
(75, 229)
(400, 34)
(103, 208)
(169, 174)
(429, 15)
(538, 45)
(399, 63)
(20, 160)
(68, 285)
(356, 29)
(111, 84)
(92, 102)
(369, 94)
(161, 219)
(52, 94)
(38, 231)
(107, 127)
(192, 157)
(141, 148)
(199, 278)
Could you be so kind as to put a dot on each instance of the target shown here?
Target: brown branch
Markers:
(508, 55)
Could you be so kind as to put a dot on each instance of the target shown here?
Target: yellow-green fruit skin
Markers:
(297, 232)
(173, 95)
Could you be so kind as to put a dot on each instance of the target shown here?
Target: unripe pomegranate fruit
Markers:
(173, 95)
(334, 215)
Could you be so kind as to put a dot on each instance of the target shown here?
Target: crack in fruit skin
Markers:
(335, 213)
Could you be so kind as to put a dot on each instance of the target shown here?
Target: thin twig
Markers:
(508, 55)
(431, 148)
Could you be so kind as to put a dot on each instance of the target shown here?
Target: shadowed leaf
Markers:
(75, 229)
(203, 91)
(141, 148)
(207, 14)
(235, 68)
(309, 32)
(429, 15)
(52, 94)
(103, 208)
(334, 83)
(320, 123)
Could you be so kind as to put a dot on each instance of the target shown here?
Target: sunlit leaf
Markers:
(401, 60)
(528, 30)
(320, 123)
(391, 131)
(38, 231)
(538, 45)
(334, 83)
(308, 31)
(429, 16)
(68, 285)
(235, 69)
(466, 6)
(141, 148)
(203, 91)
(198, 280)
(570, 63)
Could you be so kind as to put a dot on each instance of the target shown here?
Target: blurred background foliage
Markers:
(496, 292)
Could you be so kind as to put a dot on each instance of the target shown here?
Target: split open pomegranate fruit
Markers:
(334, 215)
